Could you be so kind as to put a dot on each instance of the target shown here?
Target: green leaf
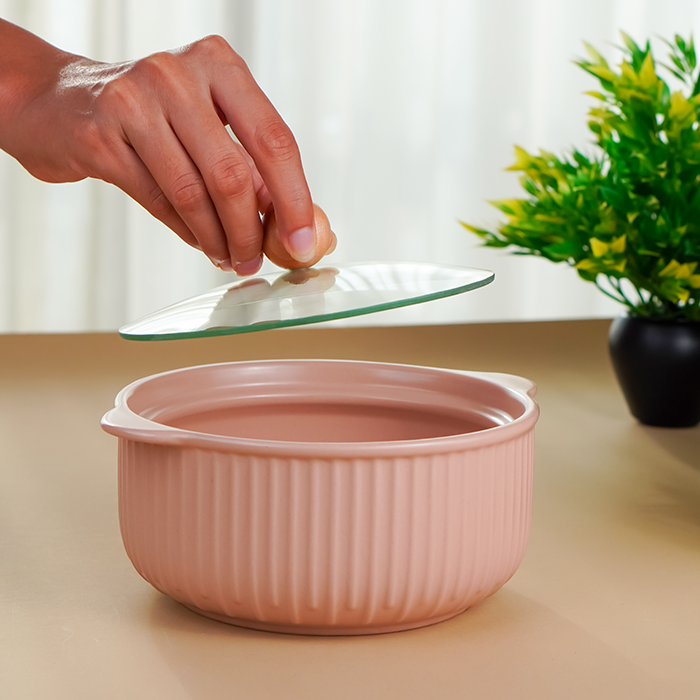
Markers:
(598, 95)
(617, 198)
(595, 56)
(587, 275)
(690, 53)
(474, 229)
(681, 68)
(580, 159)
(602, 72)
(678, 75)
(564, 250)
(629, 43)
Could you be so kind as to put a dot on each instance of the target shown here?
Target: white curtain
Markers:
(406, 112)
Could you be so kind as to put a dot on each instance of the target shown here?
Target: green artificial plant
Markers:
(628, 217)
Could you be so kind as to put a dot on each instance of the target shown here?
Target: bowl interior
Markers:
(324, 401)
(330, 421)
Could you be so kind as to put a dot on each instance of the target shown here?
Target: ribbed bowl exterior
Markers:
(327, 546)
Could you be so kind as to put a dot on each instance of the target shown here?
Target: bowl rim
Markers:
(124, 423)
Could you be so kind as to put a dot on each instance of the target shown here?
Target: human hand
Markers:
(156, 128)
(273, 247)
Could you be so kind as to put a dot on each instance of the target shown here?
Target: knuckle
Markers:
(162, 71)
(276, 141)
(188, 194)
(232, 177)
(158, 204)
(121, 96)
(212, 44)
(157, 64)
(216, 49)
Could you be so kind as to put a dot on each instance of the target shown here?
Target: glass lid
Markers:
(297, 297)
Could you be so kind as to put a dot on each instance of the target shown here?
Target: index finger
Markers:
(271, 144)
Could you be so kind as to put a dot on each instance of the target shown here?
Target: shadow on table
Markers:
(682, 443)
(676, 477)
(507, 647)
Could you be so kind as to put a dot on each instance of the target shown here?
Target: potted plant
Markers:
(627, 218)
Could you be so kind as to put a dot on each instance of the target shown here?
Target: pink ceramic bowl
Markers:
(325, 497)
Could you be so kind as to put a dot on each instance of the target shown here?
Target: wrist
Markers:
(29, 68)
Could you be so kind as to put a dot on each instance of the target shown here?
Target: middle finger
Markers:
(231, 178)
(183, 185)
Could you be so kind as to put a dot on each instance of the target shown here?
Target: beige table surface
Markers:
(605, 605)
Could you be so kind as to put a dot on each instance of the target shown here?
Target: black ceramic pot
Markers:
(658, 366)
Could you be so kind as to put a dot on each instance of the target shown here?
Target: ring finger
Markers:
(175, 174)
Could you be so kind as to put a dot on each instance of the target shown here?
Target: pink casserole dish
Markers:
(325, 496)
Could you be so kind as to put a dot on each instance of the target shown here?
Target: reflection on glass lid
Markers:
(297, 297)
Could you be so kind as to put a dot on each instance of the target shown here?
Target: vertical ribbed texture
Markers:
(328, 545)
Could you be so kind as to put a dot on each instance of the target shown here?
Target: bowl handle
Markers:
(122, 423)
(511, 381)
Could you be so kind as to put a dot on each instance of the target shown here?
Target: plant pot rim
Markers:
(658, 319)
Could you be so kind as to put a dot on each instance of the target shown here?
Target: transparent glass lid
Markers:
(297, 297)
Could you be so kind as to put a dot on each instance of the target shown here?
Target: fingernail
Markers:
(224, 265)
(246, 269)
(302, 246)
